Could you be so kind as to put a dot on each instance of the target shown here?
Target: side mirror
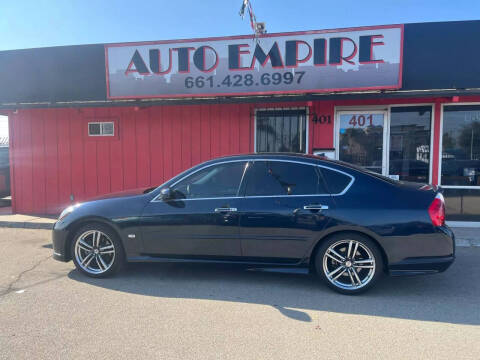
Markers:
(166, 193)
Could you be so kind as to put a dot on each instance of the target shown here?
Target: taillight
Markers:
(436, 210)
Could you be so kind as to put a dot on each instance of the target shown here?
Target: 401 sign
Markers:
(321, 119)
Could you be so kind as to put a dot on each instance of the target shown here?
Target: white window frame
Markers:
(440, 148)
(307, 121)
(369, 110)
(375, 109)
(101, 128)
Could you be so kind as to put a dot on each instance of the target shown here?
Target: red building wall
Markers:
(53, 158)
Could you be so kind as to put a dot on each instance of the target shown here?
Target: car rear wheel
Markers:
(349, 263)
(97, 251)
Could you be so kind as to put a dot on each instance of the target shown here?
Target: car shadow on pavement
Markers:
(450, 297)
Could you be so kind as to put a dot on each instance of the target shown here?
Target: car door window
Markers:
(221, 180)
(282, 178)
(336, 182)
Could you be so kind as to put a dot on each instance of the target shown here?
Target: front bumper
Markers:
(61, 250)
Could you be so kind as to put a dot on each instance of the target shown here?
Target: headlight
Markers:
(67, 211)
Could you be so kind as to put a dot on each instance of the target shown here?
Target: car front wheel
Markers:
(97, 251)
(349, 263)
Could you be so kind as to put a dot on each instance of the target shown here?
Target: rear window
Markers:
(336, 182)
(368, 172)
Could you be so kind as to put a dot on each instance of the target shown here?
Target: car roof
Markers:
(270, 155)
(289, 156)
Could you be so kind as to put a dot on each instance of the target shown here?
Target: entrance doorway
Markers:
(362, 139)
(395, 142)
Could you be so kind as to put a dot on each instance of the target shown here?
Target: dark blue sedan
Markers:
(344, 223)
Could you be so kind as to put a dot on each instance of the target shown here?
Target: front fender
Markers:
(121, 215)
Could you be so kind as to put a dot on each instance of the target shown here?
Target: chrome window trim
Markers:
(352, 180)
(212, 198)
(281, 196)
(243, 177)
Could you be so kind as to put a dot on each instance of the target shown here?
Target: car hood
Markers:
(124, 193)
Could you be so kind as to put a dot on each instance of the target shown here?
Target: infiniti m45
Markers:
(346, 224)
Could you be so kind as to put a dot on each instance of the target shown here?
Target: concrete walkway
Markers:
(7, 219)
(464, 236)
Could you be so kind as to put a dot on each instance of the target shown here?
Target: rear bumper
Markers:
(429, 255)
(60, 249)
(421, 265)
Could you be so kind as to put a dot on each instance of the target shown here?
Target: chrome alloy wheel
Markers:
(94, 252)
(349, 264)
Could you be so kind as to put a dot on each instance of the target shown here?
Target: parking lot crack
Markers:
(11, 285)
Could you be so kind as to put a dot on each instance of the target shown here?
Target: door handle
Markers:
(225, 209)
(315, 207)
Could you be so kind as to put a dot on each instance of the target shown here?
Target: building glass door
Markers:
(361, 139)
(409, 143)
(393, 143)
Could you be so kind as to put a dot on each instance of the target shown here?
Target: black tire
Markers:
(367, 249)
(108, 237)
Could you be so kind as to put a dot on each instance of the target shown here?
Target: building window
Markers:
(461, 146)
(462, 204)
(281, 131)
(460, 162)
(101, 128)
(409, 157)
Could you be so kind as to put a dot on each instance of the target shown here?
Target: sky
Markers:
(40, 23)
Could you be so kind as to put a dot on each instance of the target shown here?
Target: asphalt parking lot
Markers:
(184, 311)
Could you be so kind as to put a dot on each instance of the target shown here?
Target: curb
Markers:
(467, 243)
(26, 225)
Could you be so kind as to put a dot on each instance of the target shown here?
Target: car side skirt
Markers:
(288, 262)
